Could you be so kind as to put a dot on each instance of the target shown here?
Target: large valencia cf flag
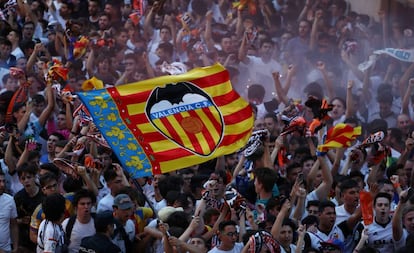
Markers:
(171, 122)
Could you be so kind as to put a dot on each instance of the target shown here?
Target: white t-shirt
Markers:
(7, 211)
(49, 236)
(79, 231)
(106, 203)
(261, 73)
(341, 214)
(238, 246)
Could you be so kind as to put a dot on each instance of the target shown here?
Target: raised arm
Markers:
(49, 107)
(349, 100)
(328, 81)
(281, 94)
(397, 226)
(314, 30)
(323, 189)
(284, 213)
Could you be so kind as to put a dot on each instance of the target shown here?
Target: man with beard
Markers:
(9, 233)
(93, 9)
(124, 233)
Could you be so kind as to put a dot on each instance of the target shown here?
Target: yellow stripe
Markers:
(239, 127)
(229, 108)
(163, 145)
(149, 84)
(138, 108)
(203, 143)
(172, 165)
(207, 122)
(219, 89)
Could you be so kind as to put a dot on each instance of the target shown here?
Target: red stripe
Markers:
(193, 139)
(225, 99)
(211, 80)
(178, 153)
(171, 129)
(206, 133)
(203, 82)
(238, 116)
(217, 125)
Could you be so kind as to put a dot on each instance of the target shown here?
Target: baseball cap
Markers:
(123, 202)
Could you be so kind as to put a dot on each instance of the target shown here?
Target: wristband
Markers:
(396, 185)
(320, 153)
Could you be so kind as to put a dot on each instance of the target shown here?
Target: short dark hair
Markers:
(224, 224)
(348, 184)
(324, 204)
(27, 168)
(382, 195)
(83, 193)
(256, 91)
(53, 206)
(267, 177)
(46, 178)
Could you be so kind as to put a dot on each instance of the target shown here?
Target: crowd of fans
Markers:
(62, 188)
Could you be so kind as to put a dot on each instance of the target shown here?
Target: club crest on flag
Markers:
(171, 122)
(190, 118)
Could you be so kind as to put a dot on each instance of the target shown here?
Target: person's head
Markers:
(264, 179)
(382, 207)
(10, 83)
(313, 207)
(403, 122)
(226, 44)
(113, 8)
(66, 8)
(121, 37)
(49, 183)
(113, 181)
(130, 62)
(256, 93)
(228, 234)
(304, 28)
(27, 175)
(266, 48)
(28, 30)
(165, 33)
(385, 100)
(327, 214)
(386, 186)
(339, 107)
(311, 222)
(104, 21)
(165, 51)
(286, 232)
(51, 141)
(200, 243)
(332, 246)
(14, 36)
(350, 193)
(210, 216)
(49, 168)
(307, 164)
(123, 207)
(271, 123)
(53, 207)
(292, 172)
(104, 223)
(408, 218)
(93, 7)
(83, 202)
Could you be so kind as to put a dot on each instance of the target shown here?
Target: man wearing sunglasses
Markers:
(228, 236)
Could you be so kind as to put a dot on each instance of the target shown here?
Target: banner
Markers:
(406, 55)
(171, 122)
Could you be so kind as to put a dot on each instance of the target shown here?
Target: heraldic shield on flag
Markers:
(171, 122)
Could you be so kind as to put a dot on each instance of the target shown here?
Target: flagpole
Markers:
(139, 187)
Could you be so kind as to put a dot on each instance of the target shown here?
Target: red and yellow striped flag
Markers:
(171, 122)
(341, 135)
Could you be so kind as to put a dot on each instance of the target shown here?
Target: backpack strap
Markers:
(69, 227)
